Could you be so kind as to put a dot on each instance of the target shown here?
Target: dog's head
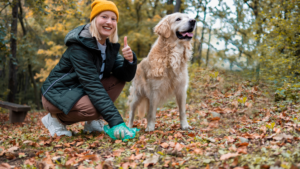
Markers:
(178, 24)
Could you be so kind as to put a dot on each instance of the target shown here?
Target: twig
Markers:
(5, 7)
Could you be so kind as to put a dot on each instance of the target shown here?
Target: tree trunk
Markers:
(177, 6)
(3, 68)
(21, 19)
(202, 38)
(195, 42)
(170, 3)
(207, 53)
(26, 86)
(34, 86)
(12, 80)
(36, 95)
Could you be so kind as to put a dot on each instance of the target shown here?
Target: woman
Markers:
(90, 75)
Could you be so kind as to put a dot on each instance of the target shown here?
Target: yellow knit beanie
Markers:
(99, 6)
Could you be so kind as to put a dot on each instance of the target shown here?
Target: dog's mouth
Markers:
(185, 35)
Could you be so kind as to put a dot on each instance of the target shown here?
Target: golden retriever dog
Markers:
(163, 73)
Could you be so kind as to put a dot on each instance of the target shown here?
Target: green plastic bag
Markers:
(120, 132)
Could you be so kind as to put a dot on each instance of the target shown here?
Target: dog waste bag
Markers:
(120, 132)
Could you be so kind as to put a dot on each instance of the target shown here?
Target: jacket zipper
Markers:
(57, 80)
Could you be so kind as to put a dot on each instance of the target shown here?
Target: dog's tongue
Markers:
(189, 34)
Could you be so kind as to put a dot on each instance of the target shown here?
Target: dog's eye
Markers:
(178, 19)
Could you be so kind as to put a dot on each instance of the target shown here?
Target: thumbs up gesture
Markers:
(127, 52)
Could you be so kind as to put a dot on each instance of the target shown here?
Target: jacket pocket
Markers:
(64, 92)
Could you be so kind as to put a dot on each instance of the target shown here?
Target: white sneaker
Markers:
(55, 126)
(95, 125)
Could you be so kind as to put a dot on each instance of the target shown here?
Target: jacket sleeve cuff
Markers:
(115, 122)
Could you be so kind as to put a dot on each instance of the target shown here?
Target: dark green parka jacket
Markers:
(77, 74)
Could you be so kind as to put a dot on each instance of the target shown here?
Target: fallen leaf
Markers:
(248, 104)
(132, 157)
(164, 145)
(48, 160)
(139, 156)
(43, 138)
(125, 165)
(279, 137)
(30, 161)
(178, 147)
(151, 160)
(214, 119)
(118, 141)
(5, 166)
(264, 166)
(92, 157)
(229, 155)
(214, 124)
(118, 152)
(229, 139)
(232, 148)
(166, 164)
(198, 151)
(241, 144)
(294, 166)
(179, 135)
(21, 155)
(71, 161)
(267, 116)
(235, 161)
(263, 129)
(201, 113)
(277, 130)
(27, 142)
(172, 144)
(133, 165)
(192, 134)
(242, 149)
(12, 149)
(10, 155)
(79, 143)
(235, 104)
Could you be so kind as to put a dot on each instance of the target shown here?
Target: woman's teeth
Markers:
(107, 28)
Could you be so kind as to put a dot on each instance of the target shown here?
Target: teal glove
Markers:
(121, 132)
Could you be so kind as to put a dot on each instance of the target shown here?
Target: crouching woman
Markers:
(89, 76)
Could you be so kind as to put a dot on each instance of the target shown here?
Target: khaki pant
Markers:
(84, 110)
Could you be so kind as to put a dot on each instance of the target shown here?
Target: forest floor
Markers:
(236, 124)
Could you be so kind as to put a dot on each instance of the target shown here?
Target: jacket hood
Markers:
(82, 35)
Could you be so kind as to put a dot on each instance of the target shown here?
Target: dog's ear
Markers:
(163, 28)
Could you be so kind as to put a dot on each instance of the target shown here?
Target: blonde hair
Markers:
(113, 38)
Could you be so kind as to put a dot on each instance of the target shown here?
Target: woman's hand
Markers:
(120, 132)
(127, 52)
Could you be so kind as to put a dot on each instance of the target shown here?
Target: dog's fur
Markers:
(163, 73)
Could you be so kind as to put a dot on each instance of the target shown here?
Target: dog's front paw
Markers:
(149, 129)
(186, 127)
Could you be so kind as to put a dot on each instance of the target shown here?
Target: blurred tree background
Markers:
(259, 38)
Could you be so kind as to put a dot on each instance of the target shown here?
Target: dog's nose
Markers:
(192, 21)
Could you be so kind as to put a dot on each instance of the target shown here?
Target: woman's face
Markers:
(106, 23)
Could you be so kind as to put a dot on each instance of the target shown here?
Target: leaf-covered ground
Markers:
(236, 125)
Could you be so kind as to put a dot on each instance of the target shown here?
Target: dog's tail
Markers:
(131, 94)
(143, 105)
(143, 108)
